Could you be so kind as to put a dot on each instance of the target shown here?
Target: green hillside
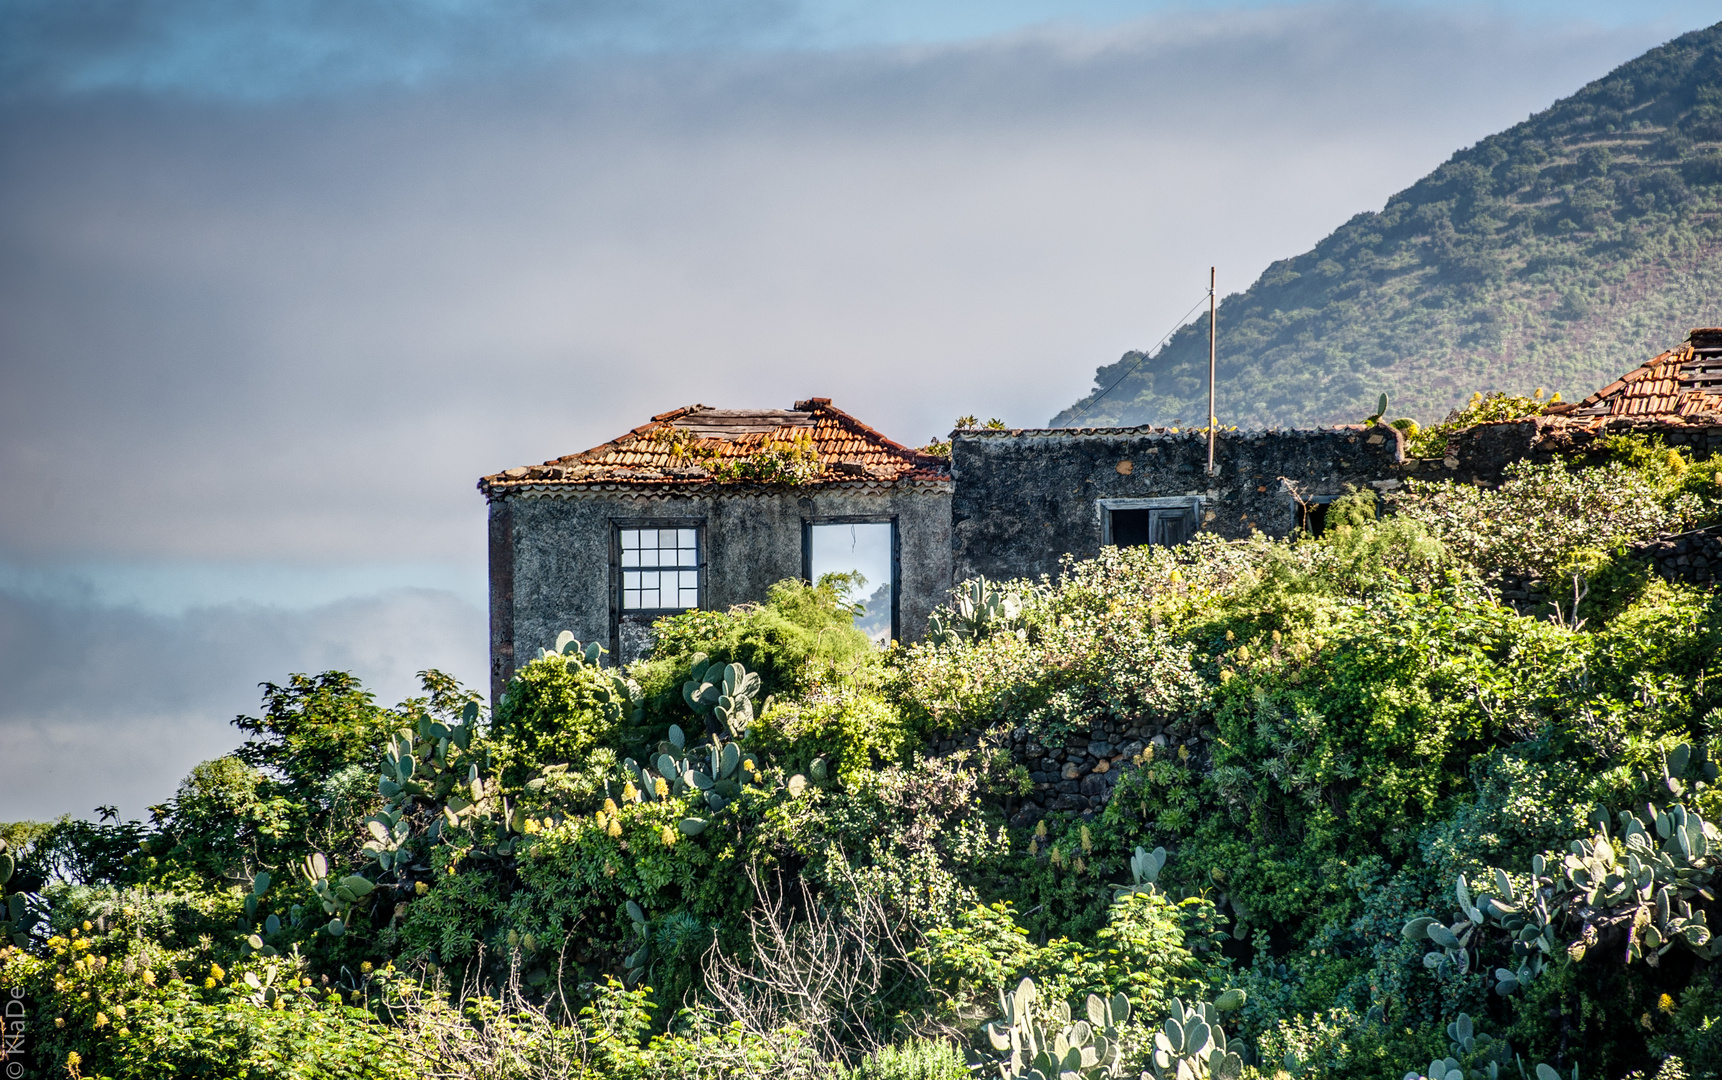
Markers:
(1557, 253)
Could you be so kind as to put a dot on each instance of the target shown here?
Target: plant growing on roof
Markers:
(776, 461)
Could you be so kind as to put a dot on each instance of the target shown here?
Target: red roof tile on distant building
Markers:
(676, 448)
(1681, 382)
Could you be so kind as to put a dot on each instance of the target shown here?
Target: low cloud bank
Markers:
(115, 705)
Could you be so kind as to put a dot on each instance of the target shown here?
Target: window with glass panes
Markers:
(660, 569)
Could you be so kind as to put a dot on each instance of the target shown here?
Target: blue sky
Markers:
(279, 281)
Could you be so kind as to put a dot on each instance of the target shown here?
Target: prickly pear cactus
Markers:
(1633, 891)
(715, 772)
(431, 782)
(1145, 867)
(723, 693)
(1191, 1045)
(978, 608)
(337, 897)
(19, 913)
(1087, 1048)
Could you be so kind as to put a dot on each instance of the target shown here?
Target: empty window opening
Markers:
(1312, 514)
(1152, 522)
(660, 569)
(865, 553)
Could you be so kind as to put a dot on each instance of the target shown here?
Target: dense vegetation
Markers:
(1557, 253)
(1388, 827)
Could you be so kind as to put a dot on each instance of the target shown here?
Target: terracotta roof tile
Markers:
(1683, 381)
(676, 447)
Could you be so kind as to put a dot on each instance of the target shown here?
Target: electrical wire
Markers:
(1140, 360)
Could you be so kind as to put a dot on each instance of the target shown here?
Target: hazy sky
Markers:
(279, 281)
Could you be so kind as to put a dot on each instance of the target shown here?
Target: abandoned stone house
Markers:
(706, 508)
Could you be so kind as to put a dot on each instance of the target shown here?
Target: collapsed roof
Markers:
(697, 445)
(1682, 382)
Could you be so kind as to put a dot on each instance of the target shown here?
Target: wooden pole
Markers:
(1212, 342)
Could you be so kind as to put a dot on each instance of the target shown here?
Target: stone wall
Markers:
(1480, 453)
(1078, 774)
(551, 559)
(1693, 557)
(1024, 498)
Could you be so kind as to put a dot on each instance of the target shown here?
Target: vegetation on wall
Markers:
(1558, 253)
(1389, 827)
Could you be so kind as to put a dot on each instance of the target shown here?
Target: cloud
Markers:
(258, 51)
(300, 331)
(114, 705)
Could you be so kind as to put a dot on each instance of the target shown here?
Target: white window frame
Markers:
(638, 563)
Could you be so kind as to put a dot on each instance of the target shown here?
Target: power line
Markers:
(1141, 358)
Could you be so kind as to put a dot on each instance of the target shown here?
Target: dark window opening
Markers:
(1312, 518)
(1155, 526)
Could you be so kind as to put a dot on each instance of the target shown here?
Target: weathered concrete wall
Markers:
(1025, 498)
(556, 573)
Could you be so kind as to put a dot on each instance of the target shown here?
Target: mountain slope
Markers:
(1557, 253)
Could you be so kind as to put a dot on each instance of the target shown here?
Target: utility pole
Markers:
(1212, 341)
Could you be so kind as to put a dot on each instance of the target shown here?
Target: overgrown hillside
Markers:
(1557, 253)
(1378, 826)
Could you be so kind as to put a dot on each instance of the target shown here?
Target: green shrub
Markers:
(853, 733)
(803, 635)
(922, 1059)
(557, 710)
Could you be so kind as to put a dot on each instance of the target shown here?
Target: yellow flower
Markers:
(120, 1011)
(615, 827)
(148, 977)
(307, 981)
(668, 836)
(1034, 845)
(661, 788)
(530, 827)
(59, 1021)
(122, 1031)
(420, 888)
(73, 1060)
(128, 911)
(630, 793)
(209, 984)
(1183, 753)
(365, 968)
(1040, 829)
(101, 1020)
(1079, 866)
(86, 926)
(610, 806)
(1087, 841)
(599, 818)
(1665, 1003)
(216, 973)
